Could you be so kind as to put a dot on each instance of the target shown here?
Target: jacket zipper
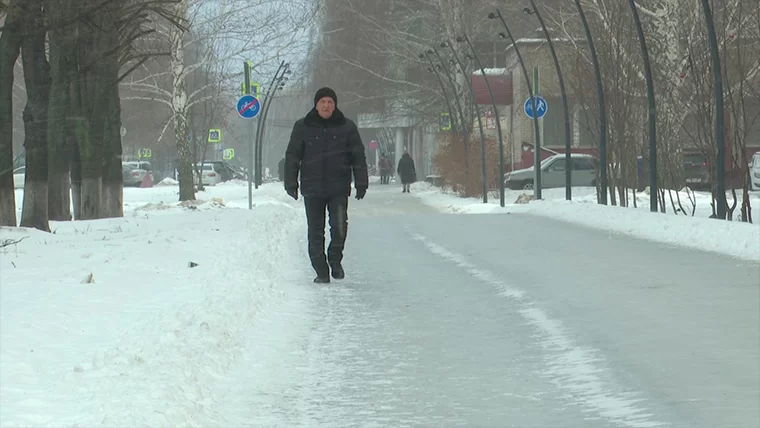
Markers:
(324, 159)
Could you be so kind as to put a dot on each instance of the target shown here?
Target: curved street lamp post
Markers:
(653, 188)
(278, 87)
(259, 131)
(536, 132)
(568, 160)
(720, 139)
(496, 116)
(446, 44)
(463, 120)
(434, 69)
(602, 112)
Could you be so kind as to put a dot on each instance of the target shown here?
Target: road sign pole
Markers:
(537, 182)
(247, 72)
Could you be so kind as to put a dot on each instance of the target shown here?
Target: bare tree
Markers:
(226, 32)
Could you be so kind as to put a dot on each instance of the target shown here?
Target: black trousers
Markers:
(337, 207)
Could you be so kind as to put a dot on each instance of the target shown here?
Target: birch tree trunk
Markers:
(180, 108)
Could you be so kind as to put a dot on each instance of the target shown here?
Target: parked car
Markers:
(754, 172)
(209, 174)
(583, 173)
(133, 172)
(696, 172)
(227, 171)
(19, 175)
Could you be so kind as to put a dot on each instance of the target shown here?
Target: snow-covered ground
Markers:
(127, 322)
(736, 239)
(188, 315)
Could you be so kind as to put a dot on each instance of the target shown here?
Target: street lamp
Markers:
(446, 44)
(653, 190)
(283, 69)
(463, 120)
(536, 132)
(434, 69)
(720, 174)
(568, 161)
(280, 85)
(496, 116)
(602, 112)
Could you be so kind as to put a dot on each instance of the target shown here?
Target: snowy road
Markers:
(504, 321)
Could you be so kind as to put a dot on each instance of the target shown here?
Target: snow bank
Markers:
(130, 321)
(732, 238)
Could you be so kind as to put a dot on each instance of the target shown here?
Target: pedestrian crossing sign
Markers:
(445, 122)
(214, 135)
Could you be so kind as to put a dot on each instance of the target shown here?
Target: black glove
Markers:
(360, 193)
(293, 192)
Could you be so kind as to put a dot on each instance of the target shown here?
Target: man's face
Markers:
(325, 107)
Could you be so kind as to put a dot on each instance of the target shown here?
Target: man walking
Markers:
(325, 147)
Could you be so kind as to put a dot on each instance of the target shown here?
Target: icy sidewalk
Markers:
(733, 238)
(145, 340)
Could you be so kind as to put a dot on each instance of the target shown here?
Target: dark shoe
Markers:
(322, 280)
(337, 271)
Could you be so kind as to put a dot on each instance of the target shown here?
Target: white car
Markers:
(754, 172)
(209, 175)
(19, 177)
(583, 173)
(133, 172)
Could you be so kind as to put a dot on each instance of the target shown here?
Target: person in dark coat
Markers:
(385, 169)
(326, 149)
(406, 171)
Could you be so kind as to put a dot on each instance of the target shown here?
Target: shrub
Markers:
(465, 178)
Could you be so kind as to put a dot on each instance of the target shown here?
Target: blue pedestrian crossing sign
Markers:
(541, 106)
(214, 136)
(144, 153)
(248, 106)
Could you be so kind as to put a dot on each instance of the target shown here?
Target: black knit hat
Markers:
(325, 92)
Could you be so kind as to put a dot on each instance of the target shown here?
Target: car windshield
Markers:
(694, 158)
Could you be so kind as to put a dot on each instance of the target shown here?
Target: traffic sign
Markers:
(228, 154)
(444, 122)
(255, 89)
(214, 135)
(248, 106)
(541, 105)
(145, 153)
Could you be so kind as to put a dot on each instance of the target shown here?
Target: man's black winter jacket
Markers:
(325, 152)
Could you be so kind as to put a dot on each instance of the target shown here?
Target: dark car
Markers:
(696, 172)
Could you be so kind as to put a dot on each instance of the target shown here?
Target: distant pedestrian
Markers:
(385, 169)
(406, 171)
(325, 147)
